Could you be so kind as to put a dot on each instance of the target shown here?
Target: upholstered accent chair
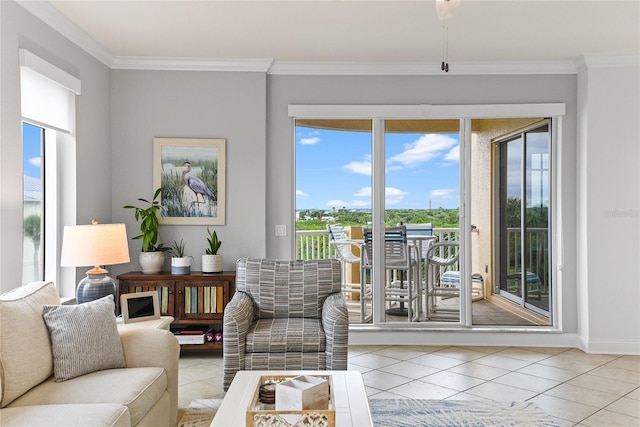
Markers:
(285, 315)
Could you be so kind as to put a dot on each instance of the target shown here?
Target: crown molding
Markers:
(191, 64)
(60, 23)
(586, 62)
(52, 17)
(421, 68)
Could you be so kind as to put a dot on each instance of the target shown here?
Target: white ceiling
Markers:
(481, 31)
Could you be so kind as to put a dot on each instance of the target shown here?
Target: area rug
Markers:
(200, 413)
(456, 413)
(413, 413)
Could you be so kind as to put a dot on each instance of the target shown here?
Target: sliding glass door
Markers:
(523, 186)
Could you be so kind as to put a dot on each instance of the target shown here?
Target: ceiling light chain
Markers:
(445, 48)
(445, 9)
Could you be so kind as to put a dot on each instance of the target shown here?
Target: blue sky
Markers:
(333, 170)
(31, 150)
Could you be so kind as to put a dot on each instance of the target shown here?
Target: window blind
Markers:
(47, 93)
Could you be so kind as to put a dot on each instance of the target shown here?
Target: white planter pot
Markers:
(211, 263)
(151, 262)
(181, 265)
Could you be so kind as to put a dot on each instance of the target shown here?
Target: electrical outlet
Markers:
(281, 230)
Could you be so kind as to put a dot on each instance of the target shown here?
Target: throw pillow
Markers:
(84, 338)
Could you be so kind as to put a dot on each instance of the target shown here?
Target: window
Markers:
(352, 170)
(33, 202)
(49, 182)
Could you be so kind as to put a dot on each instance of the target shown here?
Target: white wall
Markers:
(229, 105)
(609, 206)
(20, 29)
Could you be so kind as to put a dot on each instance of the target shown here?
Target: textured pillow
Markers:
(84, 338)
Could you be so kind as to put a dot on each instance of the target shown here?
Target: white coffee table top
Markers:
(351, 403)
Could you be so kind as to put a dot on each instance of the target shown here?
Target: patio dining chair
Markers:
(347, 251)
(401, 287)
(442, 259)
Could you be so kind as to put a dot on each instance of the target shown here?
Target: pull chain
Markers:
(445, 48)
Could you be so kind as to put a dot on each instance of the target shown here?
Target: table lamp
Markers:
(95, 244)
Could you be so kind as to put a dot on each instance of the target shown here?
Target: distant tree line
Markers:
(311, 219)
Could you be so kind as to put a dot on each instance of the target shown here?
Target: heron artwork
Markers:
(196, 184)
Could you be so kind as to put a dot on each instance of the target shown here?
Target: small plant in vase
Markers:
(212, 261)
(180, 264)
(151, 257)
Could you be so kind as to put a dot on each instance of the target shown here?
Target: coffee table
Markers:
(351, 403)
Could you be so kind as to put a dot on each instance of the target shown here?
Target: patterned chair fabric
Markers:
(285, 315)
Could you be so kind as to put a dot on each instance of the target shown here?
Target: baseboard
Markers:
(476, 337)
(609, 346)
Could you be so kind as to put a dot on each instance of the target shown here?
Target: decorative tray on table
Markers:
(262, 409)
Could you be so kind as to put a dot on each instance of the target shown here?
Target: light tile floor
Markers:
(575, 388)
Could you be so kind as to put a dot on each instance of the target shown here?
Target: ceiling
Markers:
(481, 31)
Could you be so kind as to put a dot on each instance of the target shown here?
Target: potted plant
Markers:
(151, 258)
(180, 264)
(212, 261)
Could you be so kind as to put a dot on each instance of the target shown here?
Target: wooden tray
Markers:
(265, 415)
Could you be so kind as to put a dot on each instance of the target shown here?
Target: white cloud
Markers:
(393, 195)
(35, 161)
(426, 148)
(360, 167)
(300, 193)
(309, 141)
(453, 156)
(443, 194)
(352, 204)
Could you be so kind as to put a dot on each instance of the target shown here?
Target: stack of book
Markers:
(190, 335)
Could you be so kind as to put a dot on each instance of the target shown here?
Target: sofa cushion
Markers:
(25, 350)
(84, 338)
(285, 335)
(104, 414)
(139, 389)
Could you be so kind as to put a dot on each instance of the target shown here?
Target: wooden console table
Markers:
(192, 299)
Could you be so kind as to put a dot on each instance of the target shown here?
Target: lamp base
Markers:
(96, 286)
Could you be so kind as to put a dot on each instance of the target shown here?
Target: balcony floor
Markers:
(484, 313)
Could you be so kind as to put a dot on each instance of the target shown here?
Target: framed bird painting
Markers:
(191, 172)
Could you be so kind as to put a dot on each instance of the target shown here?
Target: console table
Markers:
(191, 299)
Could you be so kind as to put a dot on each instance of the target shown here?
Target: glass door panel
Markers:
(333, 186)
(422, 188)
(536, 225)
(523, 188)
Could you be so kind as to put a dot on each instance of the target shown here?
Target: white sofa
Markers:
(144, 393)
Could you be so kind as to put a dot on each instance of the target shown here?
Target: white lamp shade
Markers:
(92, 245)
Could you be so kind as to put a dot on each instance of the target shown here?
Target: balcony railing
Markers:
(314, 244)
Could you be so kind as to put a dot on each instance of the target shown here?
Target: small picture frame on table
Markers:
(139, 306)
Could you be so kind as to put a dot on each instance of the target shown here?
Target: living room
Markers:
(126, 102)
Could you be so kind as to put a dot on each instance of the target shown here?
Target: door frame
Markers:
(465, 113)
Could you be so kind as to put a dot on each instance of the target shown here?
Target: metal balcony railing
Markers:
(314, 244)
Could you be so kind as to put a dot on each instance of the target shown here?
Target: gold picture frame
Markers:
(191, 172)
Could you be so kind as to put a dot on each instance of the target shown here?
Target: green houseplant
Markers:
(180, 264)
(211, 260)
(152, 254)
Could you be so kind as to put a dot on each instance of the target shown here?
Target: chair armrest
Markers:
(238, 315)
(155, 348)
(335, 321)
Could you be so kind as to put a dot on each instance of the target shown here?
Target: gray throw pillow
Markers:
(84, 338)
